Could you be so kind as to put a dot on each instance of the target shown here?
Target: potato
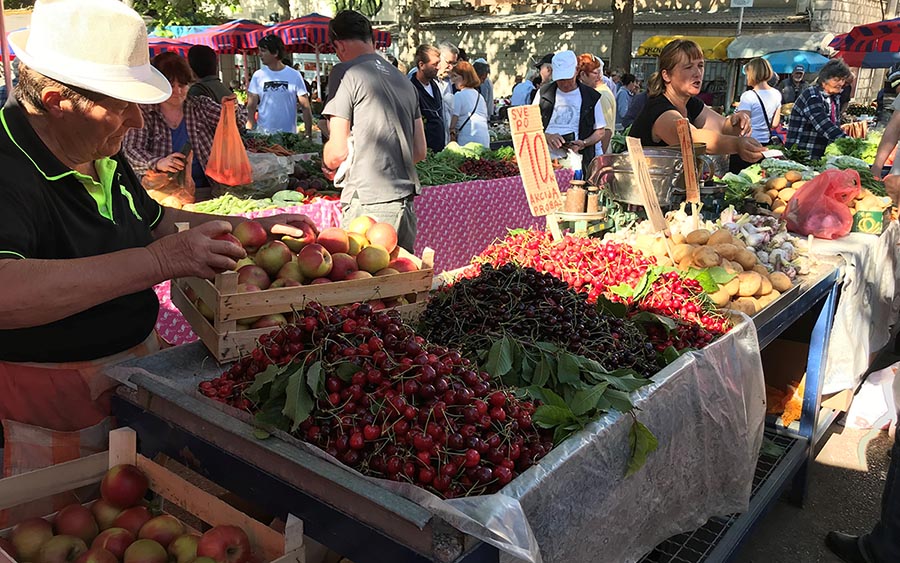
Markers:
(772, 194)
(722, 236)
(793, 176)
(798, 185)
(664, 261)
(749, 283)
(767, 299)
(685, 263)
(705, 257)
(682, 250)
(726, 250)
(780, 281)
(721, 297)
(761, 270)
(765, 288)
(644, 241)
(778, 212)
(746, 259)
(738, 242)
(762, 198)
(677, 238)
(787, 193)
(750, 303)
(700, 236)
(779, 204)
(658, 247)
(733, 286)
(776, 183)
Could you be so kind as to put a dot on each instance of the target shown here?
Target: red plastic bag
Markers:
(228, 163)
(821, 207)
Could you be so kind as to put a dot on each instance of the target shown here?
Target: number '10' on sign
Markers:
(536, 146)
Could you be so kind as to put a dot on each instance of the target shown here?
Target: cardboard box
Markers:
(870, 222)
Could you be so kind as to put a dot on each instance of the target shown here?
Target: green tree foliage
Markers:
(368, 8)
(184, 12)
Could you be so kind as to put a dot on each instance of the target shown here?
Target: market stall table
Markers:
(707, 410)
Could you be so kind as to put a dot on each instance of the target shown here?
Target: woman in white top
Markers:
(470, 118)
(763, 102)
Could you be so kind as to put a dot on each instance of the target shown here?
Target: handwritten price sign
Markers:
(533, 157)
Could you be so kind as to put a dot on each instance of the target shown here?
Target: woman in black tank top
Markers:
(673, 95)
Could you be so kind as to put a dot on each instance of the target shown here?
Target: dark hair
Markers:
(835, 68)
(272, 44)
(174, 67)
(31, 84)
(422, 54)
(672, 54)
(461, 53)
(350, 24)
(481, 69)
(465, 71)
(202, 60)
(628, 78)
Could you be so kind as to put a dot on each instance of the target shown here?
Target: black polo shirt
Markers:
(51, 212)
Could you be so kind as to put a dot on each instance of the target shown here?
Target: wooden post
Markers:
(648, 195)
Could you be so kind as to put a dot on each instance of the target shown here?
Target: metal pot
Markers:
(615, 172)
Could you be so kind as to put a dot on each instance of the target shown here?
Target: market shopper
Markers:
(762, 102)
(627, 89)
(571, 112)
(590, 73)
(81, 243)
(486, 88)
(815, 118)
(173, 124)
(449, 58)
(523, 93)
(792, 86)
(891, 134)
(673, 94)
(431, 104)
(275, 90)
(204, 64)
(469, 123)
(376, 129)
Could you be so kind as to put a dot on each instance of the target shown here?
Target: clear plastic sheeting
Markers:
(576, 505)
(868, 305)
(707, 410)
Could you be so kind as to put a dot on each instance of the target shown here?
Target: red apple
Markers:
(29, 535)
(225, 544)
(104, 513)
(132, 519)
(272, 256)
(204, 560)
(61, 549)
(319, 281)
(386, 272)
(297, 243)
(290, 271)
(76, 520)
(8, 547)
(357, 243)
(373, 258)
(251, 235)
(315, 261)
(162, 529)
(183, 549)
(254, 275)
(383, 234)
(228, 237)
(114, 540)
(361, 224)
(97, 555)
(270, 321)
(403, 265)
(335, 240)
(342, 266)
(359, 275)
(145, 551)
(123, 486)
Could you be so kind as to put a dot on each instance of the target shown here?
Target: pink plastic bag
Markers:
(821, 207)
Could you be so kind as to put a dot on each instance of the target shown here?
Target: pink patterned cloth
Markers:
(170, 324)
(457, 220)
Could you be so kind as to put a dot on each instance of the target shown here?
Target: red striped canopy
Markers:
(229, 38)
(162, 44)
(877, 37)
(310, 33)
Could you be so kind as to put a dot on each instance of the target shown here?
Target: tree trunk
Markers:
(285, 6)
(409, 16)
(623, 28)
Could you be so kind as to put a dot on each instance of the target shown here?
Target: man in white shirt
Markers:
(275, 90)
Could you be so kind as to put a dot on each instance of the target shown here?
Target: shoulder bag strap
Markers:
(475, 107)
(763, 106)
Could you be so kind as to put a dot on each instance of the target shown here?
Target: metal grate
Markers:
(693, 547)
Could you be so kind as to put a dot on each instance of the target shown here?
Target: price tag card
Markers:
(533, 157)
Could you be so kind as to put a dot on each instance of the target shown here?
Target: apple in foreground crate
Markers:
(124, 486)
(225, 544)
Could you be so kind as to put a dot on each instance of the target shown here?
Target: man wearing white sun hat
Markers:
(81, 243)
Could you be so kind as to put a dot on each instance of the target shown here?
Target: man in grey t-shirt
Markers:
(377, 135)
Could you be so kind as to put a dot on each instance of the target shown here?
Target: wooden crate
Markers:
(267, 544)
(226, 342)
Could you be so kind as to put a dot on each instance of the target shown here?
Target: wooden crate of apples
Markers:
(280, 275)
(120, 528)
(753, 286)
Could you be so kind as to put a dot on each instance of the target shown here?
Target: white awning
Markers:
(757, 45)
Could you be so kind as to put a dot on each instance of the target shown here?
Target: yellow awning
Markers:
(714, 48)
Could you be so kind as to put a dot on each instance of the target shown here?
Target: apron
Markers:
(53, 413)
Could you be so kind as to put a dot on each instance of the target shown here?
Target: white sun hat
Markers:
(98, 45)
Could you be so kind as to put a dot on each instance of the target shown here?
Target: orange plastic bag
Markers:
(228, 163)
(821, 207)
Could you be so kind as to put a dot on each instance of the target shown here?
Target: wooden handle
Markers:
(691, 185)
(645, 184)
